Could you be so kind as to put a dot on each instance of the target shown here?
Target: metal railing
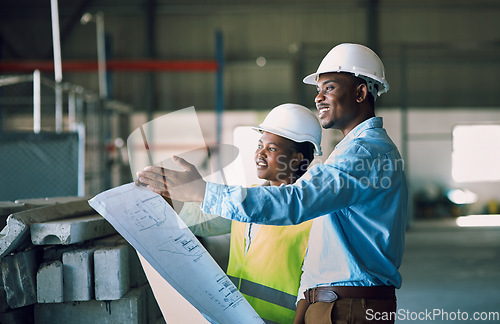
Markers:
(33, 103)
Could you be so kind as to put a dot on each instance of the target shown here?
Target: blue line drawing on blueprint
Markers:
(182, 244)
(148, 213)
(228, 290)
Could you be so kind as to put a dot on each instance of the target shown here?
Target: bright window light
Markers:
(476, 153)
(461, 196)
(478, 221)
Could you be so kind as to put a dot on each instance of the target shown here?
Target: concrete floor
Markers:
(450, 273)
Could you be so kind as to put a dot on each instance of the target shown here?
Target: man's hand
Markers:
(184, 186)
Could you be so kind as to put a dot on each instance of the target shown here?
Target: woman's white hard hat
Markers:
(356, 59)
(294, 122)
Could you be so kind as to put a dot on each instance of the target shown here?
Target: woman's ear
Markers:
(361, 92)
(297, 158)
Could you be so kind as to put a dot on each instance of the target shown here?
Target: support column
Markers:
(372, 39)
(150, 100)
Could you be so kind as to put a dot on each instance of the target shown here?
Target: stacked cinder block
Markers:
(49, 279)
(62, 263)
(111, 270)
(19, 277)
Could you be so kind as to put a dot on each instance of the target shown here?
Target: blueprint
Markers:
(154, 229)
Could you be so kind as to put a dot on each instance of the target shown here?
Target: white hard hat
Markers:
(356, 59)
(294, 122)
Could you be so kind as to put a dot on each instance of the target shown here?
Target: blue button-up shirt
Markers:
(358, 200)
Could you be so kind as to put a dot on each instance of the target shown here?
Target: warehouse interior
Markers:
(77, 78)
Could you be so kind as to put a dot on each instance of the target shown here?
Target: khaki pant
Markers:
(352, 311)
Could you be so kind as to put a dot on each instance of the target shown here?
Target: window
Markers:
(476, 153)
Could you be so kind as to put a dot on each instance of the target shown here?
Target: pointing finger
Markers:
(183, 163)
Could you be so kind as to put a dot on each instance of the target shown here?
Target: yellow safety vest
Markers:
(269, 274)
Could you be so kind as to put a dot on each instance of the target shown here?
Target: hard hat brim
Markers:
(310, 79)
(317, 149)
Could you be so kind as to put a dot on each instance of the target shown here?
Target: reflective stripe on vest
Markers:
(265, 293)
(268, 275)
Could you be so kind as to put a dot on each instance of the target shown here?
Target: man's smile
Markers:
(322, 109)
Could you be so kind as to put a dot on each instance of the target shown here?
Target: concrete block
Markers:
(70, 231)
(19, 278)
(15, 236)
(131, 309)
(137, 275)
(48, 201)
(111, 272)
(49, 282)
(78, 273)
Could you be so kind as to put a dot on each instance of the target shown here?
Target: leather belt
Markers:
(328, 294)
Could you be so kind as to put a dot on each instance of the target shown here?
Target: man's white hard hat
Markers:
(295, 122)
(356, 59)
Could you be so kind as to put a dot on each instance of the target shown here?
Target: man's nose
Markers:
(319, 97)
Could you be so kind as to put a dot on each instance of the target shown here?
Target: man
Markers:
(357, 198)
